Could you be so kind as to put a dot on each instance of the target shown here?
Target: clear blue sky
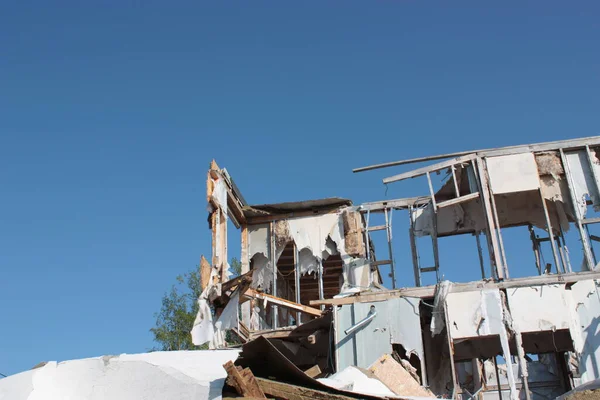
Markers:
(111, 111)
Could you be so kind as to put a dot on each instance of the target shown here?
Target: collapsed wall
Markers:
(316, 238)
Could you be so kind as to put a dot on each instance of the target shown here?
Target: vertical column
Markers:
(456, 189)
(388, 228)
(498, 230)
(321, 288)
(434, 238)
(585, 241)
(455, 384)
(297, 283)
(245, 261)
(480, 254)
(413, 246)
(273, 260)
(550, 232)
(494, 251)
(536, 250)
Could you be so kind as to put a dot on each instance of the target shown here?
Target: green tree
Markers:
(178, 311)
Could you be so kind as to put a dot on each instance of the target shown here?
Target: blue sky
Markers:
(110, 113)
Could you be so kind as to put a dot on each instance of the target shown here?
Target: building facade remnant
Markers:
(311, 282)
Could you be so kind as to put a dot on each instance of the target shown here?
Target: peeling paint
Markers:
(219, 194)
(258, 240)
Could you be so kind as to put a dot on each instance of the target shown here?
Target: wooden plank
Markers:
(234, 203)
(246, 310)
(292, 392)
(253, 294)
(277, 334)
(429, 291)
(313, 371)
(205, 269)
(245, 278)
(242, 398)
(223, 250)
(245, 261)
(214, 223)
(565, 144)
(243, 381)
(458, 200)
(429, 168)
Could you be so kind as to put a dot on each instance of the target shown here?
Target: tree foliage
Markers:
(178, 311)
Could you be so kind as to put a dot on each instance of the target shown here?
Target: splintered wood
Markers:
(397, 379)
(243, 381)
(353, 233)
(292, 392)
(313, 371)
(204, 272)
(251, 293)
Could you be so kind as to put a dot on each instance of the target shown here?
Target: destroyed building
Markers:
(311, 301)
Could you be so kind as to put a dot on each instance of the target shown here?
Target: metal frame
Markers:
(547, 146)
(588, 257)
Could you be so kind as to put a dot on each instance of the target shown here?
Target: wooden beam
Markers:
(205, 270)
(429, 291)
(429, 168)
(234, 203)
(286, 391)
(246, 309)
(245, 278)
(243, 381)
(245, 261)
(253, 294)
(273, 334)
(223, 258)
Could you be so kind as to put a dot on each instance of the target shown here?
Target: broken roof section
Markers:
(290, 209)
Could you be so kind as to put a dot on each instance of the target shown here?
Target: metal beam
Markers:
(458, 200)
(547, 146)
(429, 291)
(494, 250)
(429, 168)
(396, 204)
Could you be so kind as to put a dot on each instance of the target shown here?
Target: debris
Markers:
(282, 390)
(359, 381)
(312, 275)
(251, 293)
(397, 378)
(313, 371)
(585, 395)
(243, 381)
